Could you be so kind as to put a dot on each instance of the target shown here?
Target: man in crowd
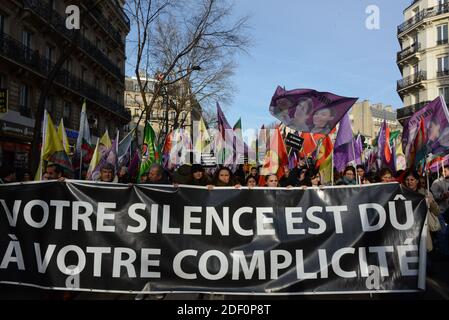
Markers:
(54, 172)
(156, 175)
(107, 173)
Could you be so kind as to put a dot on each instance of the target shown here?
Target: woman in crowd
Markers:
(348, 177)
(199, 177)
(411, 181)
(386, 175)
(251, 182)
(315, 179)
(223, 178)
(272, 181)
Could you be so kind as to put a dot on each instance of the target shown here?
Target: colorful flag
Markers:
(325, 147)
(103, 146)
(224, 141)
(124, 149)
(436, 129)
(150, 151)
(308, 110)
(276, 157)
(384, 148)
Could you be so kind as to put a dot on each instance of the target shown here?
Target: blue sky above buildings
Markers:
(322, 45)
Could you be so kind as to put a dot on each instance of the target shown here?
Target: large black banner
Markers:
(112, 237)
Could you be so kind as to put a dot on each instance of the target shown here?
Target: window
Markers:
(2, 81)
(26, 38)
(97, 83)
(444, 91)
(24, 98)
(108, 90)
(98, 43)
(415, 69)
(443, 66)
(442, 34)
(117, 96)
(172, 115)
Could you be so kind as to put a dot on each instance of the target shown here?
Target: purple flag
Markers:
(133, 168)
(343, 147)
(224, 148)
(382, 142)
(308, 110)
(358, 149)
(435, 115)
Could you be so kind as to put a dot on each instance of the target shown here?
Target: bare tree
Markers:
(174, 40)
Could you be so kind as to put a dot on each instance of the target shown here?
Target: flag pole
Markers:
(354, 165)
(332, 170)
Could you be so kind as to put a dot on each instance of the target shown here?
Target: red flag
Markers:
(276, 157)
(324, 151)
(387, 149)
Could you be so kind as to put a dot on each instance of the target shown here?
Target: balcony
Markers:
(408, 51)
(53, 18)
(442, 42)
(407, 112)
(411, 80)
(107, 26)
(24, 56)
(423, 14)
(443, 73)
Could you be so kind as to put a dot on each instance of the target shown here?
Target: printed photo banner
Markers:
(436, 124)
(308, 110)
(91, 236)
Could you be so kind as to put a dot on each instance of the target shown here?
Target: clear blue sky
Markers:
(322, 45)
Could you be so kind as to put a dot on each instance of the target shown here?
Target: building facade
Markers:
(424, 56)
(169, 111)
(367, 118)
(33, 36)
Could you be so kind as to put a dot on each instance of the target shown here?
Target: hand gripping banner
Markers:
(91, 236)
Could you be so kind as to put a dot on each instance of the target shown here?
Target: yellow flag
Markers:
(52, 142)
(326, 170)
(203, 138)
(63, 137)
(102, 146)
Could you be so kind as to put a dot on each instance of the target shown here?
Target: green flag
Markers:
(150, 151)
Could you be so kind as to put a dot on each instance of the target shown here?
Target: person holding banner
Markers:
(251, 182)
(411, 181)
(272, 181)
(107, 172)
(223, 178)
(348, 177)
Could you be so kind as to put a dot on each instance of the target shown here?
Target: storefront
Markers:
(15, 145)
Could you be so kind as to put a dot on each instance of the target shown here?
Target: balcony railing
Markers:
(406, 112)
(411, 80)
(442, 73)
(107, 26)
(58, 22)
(408, 51)
(20, 54)
(442, 41)
(420, 16)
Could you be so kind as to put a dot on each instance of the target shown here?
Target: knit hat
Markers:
(183, 175)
